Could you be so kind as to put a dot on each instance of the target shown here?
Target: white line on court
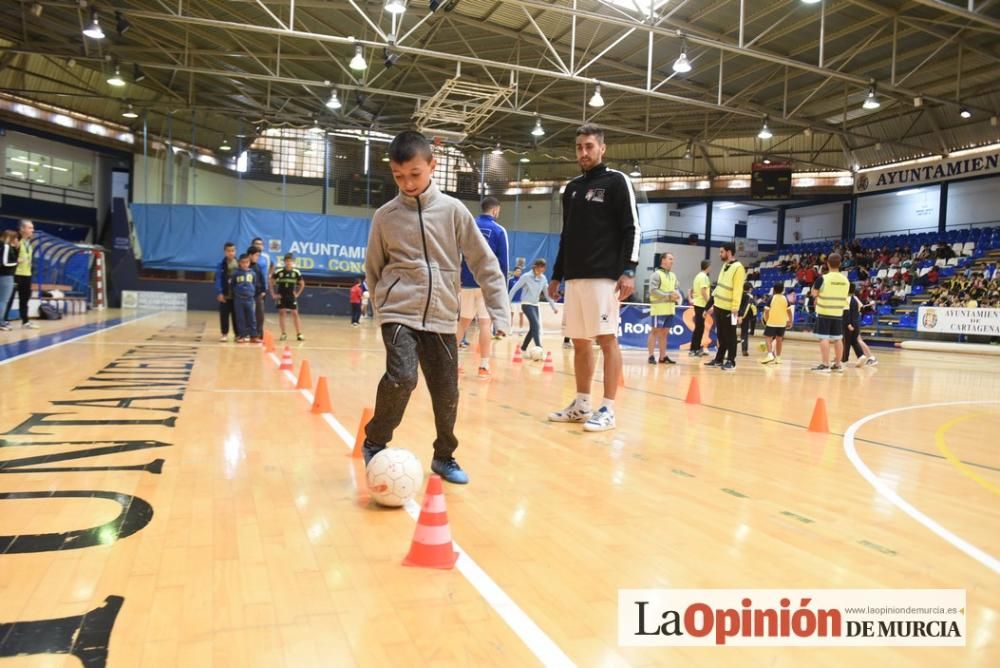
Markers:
(540, 644)
(882, 488)
(77, 338)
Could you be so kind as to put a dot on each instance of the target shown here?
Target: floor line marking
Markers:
(953, 458)
(536, 640)
(882, 488)
(74, 339)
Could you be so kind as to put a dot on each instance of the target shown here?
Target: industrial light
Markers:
(315, 130)
(497, 150)
(538, 131)
(682, 65)
(37, 9)
(93, 30)
(121, 24)
(224, 146)
(765, 132)
(965, 113)
(116, 78)
(129, 112)
(687, 152)
(358, 61)
(811, 2)
(395, 6)
(525, 159)
(635, 173)
(596, 100)
(334, 101)
(871, 102)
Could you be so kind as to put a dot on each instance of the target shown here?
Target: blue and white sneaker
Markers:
(572, 413)
(449, 470)
(602, 420)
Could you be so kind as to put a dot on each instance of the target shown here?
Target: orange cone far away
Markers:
(517, 356)
(431, 547)
(359, 440)
(305, 379)
(694, 394)
(321, 402)
(286, 360)
(819, 423)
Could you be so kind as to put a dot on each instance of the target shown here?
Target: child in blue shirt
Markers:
(245, 282)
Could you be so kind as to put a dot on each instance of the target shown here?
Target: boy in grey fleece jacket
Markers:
(413, 270)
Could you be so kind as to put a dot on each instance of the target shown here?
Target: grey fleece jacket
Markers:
(414, 261)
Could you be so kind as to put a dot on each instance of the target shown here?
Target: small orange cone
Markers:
(359, 440)
(548, 367)
(286, 360)
(819, 423)
(431, 547)
(305, 379)
(321, 403)
(517, 356)
(694, 394)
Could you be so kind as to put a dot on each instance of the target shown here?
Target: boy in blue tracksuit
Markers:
(245, 282)
(224, 290)
(472, 304)
(260, 269)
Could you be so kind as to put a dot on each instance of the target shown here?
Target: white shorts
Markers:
(473, 305)
(591, 308)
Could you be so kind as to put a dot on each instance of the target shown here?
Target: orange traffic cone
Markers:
(548, 363)
(286, 359)
(431, 547)
(359, 440)
(517, 355)
(321, 403)
(819, 423)
(694, 395)
(305, 379)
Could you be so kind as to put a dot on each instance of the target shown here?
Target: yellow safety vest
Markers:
(832, 298)
(701, 281)
(729, 289)
(25, 252)
(659, 305)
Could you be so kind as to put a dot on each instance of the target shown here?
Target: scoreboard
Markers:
(771, 180)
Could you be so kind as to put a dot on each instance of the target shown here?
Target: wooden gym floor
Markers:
(258, 546)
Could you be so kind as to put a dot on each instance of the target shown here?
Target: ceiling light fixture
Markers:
(93, 30)
(635, 173)
(116, 79)
(965, 113)
(224, 146)
(129, 112)
(358, 61)
(497, 150)
(334, 102)
(395, 6)
(682, 65)
(765, 132)
(525, 159)
(596, 100)
(871, 101)
(538, 131)
(121, 23)
(811, 2)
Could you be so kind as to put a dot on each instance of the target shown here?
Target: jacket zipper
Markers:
(445, 346)
(430, 276)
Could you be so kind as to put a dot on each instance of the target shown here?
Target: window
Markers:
(44, 169)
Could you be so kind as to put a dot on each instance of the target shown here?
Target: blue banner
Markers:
(191, 237)
(636, 324)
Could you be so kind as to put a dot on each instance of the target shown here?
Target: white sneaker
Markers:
(572, 413)
(602, 420)
(861, 362)
(767, 360)
(871, 361)
(223, 339)
(29, 325)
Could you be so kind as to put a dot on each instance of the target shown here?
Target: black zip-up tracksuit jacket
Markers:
(601, 235)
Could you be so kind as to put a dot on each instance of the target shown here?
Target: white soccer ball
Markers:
(394, 476)
(538, 353)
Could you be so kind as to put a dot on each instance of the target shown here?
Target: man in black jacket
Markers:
(598, 253)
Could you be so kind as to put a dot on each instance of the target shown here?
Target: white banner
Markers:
(791, 617)
(914, 176)
(158, 301)
(747, 251)
(972, 321)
